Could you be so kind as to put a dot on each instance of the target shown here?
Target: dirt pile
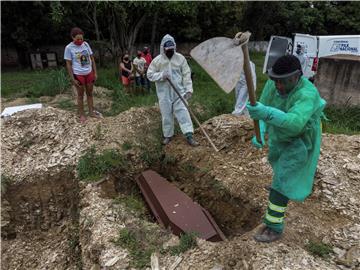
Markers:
(41, 199)
(55, 216)
(46, 140)
(42, 140)
(329, 215)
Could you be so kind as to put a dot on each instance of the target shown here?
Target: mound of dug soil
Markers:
(329, 216)
(52, 220)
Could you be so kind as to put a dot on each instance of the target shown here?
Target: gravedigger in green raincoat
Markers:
(289, 112)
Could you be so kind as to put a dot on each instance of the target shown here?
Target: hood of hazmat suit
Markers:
(294, 145)
(170, 104)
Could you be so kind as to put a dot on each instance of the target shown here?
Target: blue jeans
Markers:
(140, 81)
(147, 84)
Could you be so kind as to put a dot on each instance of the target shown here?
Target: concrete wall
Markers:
(258, 46)
(338, 79)
(9, 57)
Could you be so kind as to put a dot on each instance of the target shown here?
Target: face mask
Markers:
(284, 86)
(139, 55)
(145, 52)
(126, 58)
(78, 42)
(169, 53)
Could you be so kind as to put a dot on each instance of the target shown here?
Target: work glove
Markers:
(187, 96)
(257, 112)
(254, 141)
(256, 144)
(165, 75)
(269, 115)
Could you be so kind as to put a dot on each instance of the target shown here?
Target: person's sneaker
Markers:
(96, 114)
(166, 140)
(192, 142)
(267, 235)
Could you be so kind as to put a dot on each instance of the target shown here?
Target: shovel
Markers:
(224, 59)
(192, 114)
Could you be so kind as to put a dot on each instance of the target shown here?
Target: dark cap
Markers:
(169, 45)
(284, 67)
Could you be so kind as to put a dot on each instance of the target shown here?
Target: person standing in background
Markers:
(241, 92)
(139, 65)
(148, 58)
(126, 69)
(81, 67)
(171, 65)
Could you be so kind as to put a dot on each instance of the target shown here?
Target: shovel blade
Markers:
(221, 59)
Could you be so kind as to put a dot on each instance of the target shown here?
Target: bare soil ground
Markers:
(51, 220)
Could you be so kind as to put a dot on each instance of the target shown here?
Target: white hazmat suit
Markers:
(170, 104)
(241, 92)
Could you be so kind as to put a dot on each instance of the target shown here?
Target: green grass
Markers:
(108, 78)
(133, 203)
(5, 182)
(168, 160)
(126, 146)
(98, 135)
(93, 166)
(141, 241)
(32, 100)
(188, 168)
(49, 82)
(208, 95)
(151, 149)
(66, 104)
(187, 241)
(144, 239)
(319, 249)
(342, 120)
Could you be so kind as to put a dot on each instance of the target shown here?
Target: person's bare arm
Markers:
(70, 72)
(122, 66)
(136, 69)
(93, 66)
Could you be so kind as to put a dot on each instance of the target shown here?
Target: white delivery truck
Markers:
(313, 48)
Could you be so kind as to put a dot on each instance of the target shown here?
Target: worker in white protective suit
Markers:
(172, 65)
(242, 94)
(299, 53)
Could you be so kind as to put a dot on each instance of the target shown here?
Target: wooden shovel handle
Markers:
(250, 87)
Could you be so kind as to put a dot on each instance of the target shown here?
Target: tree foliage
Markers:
(285, 18)
(119, 25)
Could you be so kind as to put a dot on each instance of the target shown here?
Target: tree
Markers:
(117, 26)
(19, 32)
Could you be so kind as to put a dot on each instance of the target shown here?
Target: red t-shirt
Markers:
(148, 59)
